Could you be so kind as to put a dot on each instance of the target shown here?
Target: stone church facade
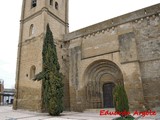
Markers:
(93, 60)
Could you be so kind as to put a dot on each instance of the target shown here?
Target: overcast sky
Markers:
(82, 13)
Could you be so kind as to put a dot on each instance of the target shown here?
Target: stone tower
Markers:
(34, 18)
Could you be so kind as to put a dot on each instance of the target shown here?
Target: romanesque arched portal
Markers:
(100, 77)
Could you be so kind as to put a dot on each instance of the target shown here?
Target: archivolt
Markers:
(98, 68)
(92, 76)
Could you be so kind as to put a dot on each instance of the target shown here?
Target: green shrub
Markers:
(120, 99)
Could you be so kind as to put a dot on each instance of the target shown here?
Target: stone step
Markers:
(98, 110)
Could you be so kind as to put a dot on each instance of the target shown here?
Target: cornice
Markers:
(111, 24)
(44, 9)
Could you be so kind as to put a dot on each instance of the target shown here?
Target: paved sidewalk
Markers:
(6, 113)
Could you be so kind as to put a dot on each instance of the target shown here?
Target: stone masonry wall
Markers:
(148, 39)
(131, 42)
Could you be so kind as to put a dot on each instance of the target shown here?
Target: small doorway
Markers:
(107, 95)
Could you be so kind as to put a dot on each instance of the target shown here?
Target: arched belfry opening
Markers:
(100, 79)
(34, 3)
(51, 2)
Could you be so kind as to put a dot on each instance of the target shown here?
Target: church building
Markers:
(93, 60)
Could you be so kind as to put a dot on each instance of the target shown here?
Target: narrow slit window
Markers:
(31, 30)
(32, 72)
(56, 5)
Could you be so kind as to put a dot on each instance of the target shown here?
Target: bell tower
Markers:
(34, 18)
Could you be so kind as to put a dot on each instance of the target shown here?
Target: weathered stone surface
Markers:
(75, 54)
(151, 82)
(29, 98)
(150, 69)
(133, 85)
(127, 43)
(99, 44)
(149, 50)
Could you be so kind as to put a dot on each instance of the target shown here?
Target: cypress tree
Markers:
(120, 99)
(52, 86)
